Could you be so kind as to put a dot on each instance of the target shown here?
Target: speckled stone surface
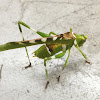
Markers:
(79, 81)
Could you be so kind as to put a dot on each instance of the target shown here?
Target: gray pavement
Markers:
(79, 81)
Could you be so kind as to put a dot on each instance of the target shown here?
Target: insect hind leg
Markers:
(19, 25)
(38, 32)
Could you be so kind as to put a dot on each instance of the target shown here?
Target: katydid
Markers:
(51, 47)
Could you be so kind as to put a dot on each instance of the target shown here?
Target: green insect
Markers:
(51, 47)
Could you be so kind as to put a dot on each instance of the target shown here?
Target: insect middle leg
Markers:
(48, 58)
(58, 78)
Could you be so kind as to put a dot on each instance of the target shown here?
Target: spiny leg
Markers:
(48, 58)
(64, 65)
(38, 32)
(82, 53)
(25, 47)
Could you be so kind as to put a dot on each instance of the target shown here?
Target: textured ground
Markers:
(79, 81)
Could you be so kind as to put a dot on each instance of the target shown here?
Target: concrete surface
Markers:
(79, 81)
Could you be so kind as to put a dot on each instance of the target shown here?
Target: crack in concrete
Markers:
(63, 17)
(61, 2)
(23, 8)
(9, 4)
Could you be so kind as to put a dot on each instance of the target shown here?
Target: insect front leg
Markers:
(82, 53)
